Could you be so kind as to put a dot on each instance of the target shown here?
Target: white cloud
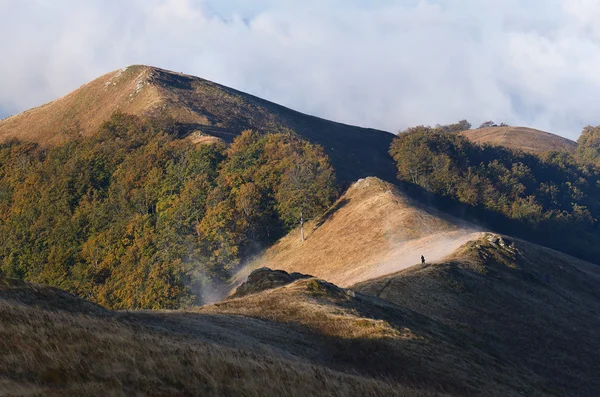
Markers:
(385, 64)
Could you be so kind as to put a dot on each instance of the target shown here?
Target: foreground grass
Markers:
(373, 337)
(53, 351)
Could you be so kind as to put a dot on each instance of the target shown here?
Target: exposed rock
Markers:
(499, 241)
(265, 278)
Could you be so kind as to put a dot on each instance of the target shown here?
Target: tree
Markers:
(488, 124)
(588, 145)
(552, 196)
(462, 125)
(307, 187)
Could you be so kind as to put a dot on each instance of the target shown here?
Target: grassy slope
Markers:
(488, 320)
(85, 109)
(522, 138)
(373, 230)
(536, 306)
(64, 348)
(202, 108)
(307, 338)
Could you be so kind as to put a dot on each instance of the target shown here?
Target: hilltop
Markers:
(374, 229)
(520, 138)
(203, 111)
(538, 306)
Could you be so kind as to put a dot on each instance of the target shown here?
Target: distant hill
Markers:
(521, 138)
(373, 230)
(204, 111)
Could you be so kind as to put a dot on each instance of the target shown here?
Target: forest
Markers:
(552, 198)
(134, 217)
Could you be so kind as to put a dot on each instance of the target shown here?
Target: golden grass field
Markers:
(307, 338)
(65, 347)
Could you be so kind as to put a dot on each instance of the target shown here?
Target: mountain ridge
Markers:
(373, 229)
(203, 110)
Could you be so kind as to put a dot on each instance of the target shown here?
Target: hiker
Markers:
(422, 260)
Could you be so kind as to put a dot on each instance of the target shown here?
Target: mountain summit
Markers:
(203, 110)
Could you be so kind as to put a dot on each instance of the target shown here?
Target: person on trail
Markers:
(422, 260)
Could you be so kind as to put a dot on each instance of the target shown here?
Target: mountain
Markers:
(374, 229)
(142, 219)
(532, 306)
(203, 110)
(520, 138)
(524, 304)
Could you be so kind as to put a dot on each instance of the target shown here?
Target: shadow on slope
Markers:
(308, 337)
(539, 307)
(50, 351)
(548, 235)
(370, 336)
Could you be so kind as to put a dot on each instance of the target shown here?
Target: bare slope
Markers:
(539, 307)
(372, 230)
(521, 138)
(204, 110)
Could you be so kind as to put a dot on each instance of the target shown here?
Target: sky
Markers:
(380, 63)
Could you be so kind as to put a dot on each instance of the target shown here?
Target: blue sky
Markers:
(383, 64)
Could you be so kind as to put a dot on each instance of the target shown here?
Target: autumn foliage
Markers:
(133, 217)
(552, 196)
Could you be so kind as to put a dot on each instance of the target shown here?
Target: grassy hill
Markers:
(538, 306)
(204, 111)
(305, 338)
(373, 230)
(65, 349)
(520, 138)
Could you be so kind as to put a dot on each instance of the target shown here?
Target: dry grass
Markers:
(57, 352)
(455, 329)
(370, 336)
(521, 138)
(84, 110)
(373, 230)
(538, 307)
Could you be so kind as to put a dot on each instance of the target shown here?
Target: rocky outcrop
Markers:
(263, 279)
